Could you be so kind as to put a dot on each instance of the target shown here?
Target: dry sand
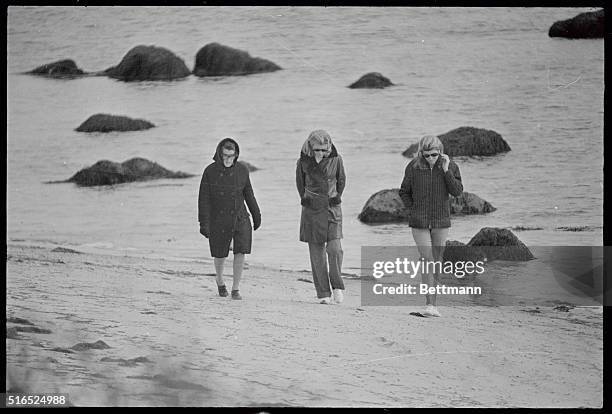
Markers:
(278, 346)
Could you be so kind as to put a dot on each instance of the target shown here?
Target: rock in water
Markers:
(149, 63)
(587, 25)
(386, 206)
(19, 321)
(215, 59)
(83, 346)
(32, 329)
(468, 203)
(468, 141)
(61, 69)
(136, 169)
(108, 123)
(500, 244)
(372, 80)
(383, 207)
(458, 252)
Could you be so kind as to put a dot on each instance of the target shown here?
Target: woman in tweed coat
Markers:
(428, 180)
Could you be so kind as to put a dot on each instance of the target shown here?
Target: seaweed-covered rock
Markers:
(386, 206)
(148, 63)
(66, 68)
(372, 80)
(468, 141)
(587, 25)
(136, 169)
(108, 123)
(215, 59)
(469, 203)
(500, 244)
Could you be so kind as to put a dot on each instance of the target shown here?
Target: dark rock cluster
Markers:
(589, 25)
(468, 141)
(136, 169)
(215, 59)
(109, 123)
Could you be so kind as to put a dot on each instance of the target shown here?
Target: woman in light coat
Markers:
(320, 181)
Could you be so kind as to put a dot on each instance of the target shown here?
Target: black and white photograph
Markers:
(305, 206)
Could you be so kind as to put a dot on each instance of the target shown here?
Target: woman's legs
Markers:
(438, 242)
(334, 257)
(320, 255)
(422, 238)
(318, 264)
(238, 266)
(431, 245)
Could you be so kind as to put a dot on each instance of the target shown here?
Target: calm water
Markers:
(488, 68)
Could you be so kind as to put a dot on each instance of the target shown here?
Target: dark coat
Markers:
(223, 192)
(318, 183)
(425, 192)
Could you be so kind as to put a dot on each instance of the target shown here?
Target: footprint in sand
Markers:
(386, 342)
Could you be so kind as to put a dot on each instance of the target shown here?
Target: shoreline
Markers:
(173, 342)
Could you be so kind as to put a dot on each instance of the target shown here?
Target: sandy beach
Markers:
(171, 341)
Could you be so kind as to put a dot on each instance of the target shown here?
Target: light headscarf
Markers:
(317, 137)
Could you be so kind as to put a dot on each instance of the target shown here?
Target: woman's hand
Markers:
(445, 162)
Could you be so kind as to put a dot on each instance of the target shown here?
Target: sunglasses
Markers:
(430, 155)
(319, 150)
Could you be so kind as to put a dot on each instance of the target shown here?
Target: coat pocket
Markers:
(318, 201)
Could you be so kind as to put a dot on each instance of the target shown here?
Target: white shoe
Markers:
(326, 301)
(431, 311)
(338, 296)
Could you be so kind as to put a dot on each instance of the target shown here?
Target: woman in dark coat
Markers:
(223, 217)
(428, 180)
(320, 181)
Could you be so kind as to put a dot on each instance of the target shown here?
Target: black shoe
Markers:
(236, 295)
(222, 290)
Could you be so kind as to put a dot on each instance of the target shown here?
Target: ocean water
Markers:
(493, 68)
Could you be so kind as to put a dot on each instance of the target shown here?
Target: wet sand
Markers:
(171, 341)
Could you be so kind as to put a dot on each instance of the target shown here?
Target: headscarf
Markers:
(317, 137)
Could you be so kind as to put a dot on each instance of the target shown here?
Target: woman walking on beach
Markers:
(428, 180)
(224, 188)
(320, 181)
